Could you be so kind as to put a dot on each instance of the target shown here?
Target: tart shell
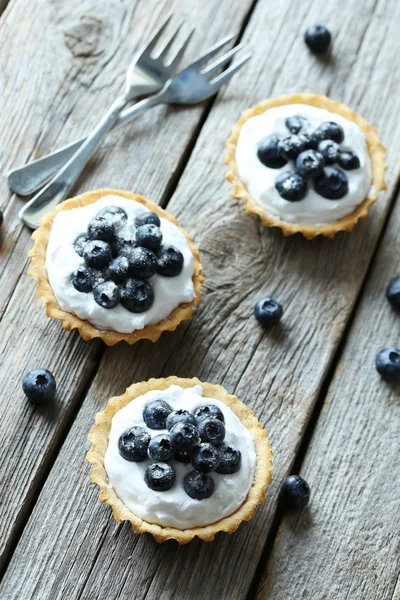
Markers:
(86, 329)
(99, 439)
(375, 149)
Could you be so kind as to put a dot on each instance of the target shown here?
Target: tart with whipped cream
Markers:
(115, 266)
(179, 458)
(305, 163)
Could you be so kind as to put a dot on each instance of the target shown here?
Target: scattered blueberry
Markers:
(142, 262)
(160, 448)
(83, 279)
(268, 312)
(122, 247)
(318, 38)
(118, 269)
(97, 254)
(329, 150)
(137, 295)
(198, 485)
(296, 123)
(155, 414)
(179, 416)
(147, 219)
(133, 444)
(184, 437)
(211, 430)
(310, 163)
(295, 492)
(291, 186)
(230, 459)
(39, 386)
(332, 184)
(290, 147)
(80, 244)
(388, 364)
(101, 228)
(205, 458)
(268, 153)
(310, 142)
(329, 130)
(348, 161)
(149, 236)
(169, 261)
(114, 214)
(393, 293)
(183, 457)
(160, 477)
(107, 294)
(208, 410)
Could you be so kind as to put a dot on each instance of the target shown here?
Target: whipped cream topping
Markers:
(260, 180)
(62, 260)
(174, 508)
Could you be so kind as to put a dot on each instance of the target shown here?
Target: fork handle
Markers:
(33, 176)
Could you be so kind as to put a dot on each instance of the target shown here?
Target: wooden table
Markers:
(311, 382)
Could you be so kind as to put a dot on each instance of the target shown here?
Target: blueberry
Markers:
(205, 458)
(147, 219)
(118, 270)
(198, 485)
(268, 153)
(211, 430)
(133, 444)
(388, 364)
(169, 261)
(122, 247)
(291, 146)
(208, 410)
(296, 123)
(332, 184)
(107, 294)
(310, 163)
(291, 186)
(160, 448)
(136, 295)
(80, 244)
(295, 492)
(115, 215)
(101, 228)
(39, 386)
(160, 477)
(97, 254)
(329, 130)
(142, 262)
(230, 460)
(180, 416)
(155, 414)
(329, 150)
(149, 236)
(183, 457)
(83, 279)
(184, 437)
(310, 142)
(268, 312)
(393, 293)
(348, 161)
(318, 38)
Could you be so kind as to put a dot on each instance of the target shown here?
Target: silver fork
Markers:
(190, 86)
(147, 75)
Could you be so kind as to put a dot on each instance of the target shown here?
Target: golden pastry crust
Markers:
(70, 321)
(99, 440)
(375, 149)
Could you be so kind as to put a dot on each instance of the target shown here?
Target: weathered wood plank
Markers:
(75, 57)
(352, 465)
(71, 547)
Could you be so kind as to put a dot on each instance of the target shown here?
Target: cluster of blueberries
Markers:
(313, 152)
(196, 438)
(117, 270)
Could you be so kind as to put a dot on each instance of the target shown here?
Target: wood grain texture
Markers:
(347, 543)
(75, 58)
(71, 547)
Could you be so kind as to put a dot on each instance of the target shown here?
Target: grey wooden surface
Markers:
(59, 541)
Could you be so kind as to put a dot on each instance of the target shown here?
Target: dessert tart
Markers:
(179, 458)
(305, 163)
(115, 266)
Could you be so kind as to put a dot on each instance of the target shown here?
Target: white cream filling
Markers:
(174, 508)
(62, 260)
(260, 180)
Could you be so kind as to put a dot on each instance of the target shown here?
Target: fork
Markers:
(147, 73)
(192, 85)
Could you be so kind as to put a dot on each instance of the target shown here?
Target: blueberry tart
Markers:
(115, 266)
(306, 164)
(179, 458)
